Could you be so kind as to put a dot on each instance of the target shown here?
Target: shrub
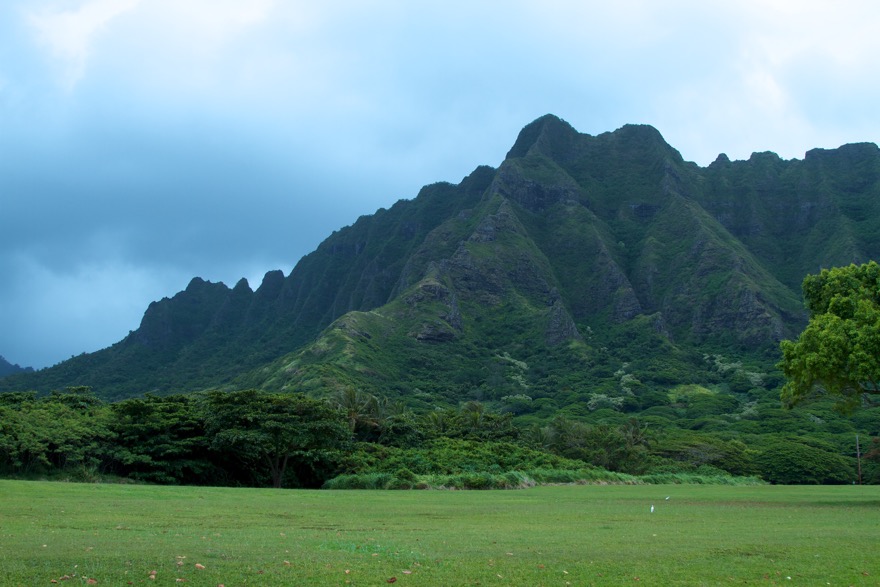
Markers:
(698, 479)
(362, 481)
(791, 462)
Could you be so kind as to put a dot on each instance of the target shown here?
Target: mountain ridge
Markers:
(7, 368)
(572, 233)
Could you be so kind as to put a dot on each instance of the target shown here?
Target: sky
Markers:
(146, 142)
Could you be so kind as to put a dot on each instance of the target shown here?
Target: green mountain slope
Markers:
(7, 368)
(541, 278)
(555, 276)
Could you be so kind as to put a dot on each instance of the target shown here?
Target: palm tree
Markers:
(357, 405)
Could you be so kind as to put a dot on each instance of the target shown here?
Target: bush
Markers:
(698, 479)
(790, 462)
(362, 481)
(444, 456)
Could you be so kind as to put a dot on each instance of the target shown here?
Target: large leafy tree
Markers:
(160, 439)
(271, 431)
(62, 431)
(839, 350)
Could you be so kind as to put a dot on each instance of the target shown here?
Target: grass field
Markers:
(565, 535)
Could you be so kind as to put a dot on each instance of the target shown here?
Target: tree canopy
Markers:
(274, 429)
(839, 350)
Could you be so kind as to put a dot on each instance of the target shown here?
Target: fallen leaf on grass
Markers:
(407, 572)
(91, 582)
(392, 580)
(200, 567)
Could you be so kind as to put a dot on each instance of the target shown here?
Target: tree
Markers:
(616, 448)
(357, 407)
(160, 439)
(839, 350)
(274, 430)
(792, 461)
(64, 430)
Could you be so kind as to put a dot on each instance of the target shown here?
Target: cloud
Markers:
(781, 76)
(68, 35)
(49, 315)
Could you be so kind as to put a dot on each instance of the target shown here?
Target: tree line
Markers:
(249, 437)
(260, 438)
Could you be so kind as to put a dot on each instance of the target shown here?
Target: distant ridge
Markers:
(7, 368)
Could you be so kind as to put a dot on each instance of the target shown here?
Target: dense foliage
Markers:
(259, 438)
(839, 351)
(264, 430)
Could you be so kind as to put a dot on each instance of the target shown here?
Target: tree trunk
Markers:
(277, 466)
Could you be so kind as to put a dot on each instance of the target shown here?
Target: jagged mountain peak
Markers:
(644, 133)
(273, 281)
(721, 160)
(548, 133)
(242, 285)
(862, 158)
(553, 137)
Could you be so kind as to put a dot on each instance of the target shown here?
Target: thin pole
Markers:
(859, 458)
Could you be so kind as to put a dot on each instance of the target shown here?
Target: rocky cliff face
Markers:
(571, 235)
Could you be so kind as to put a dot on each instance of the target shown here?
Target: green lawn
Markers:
(567, 535)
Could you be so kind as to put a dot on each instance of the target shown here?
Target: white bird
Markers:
(652, 509)
(667, 498)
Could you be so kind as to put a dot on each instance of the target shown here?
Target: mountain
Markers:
(581, 266)
(7, 368)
